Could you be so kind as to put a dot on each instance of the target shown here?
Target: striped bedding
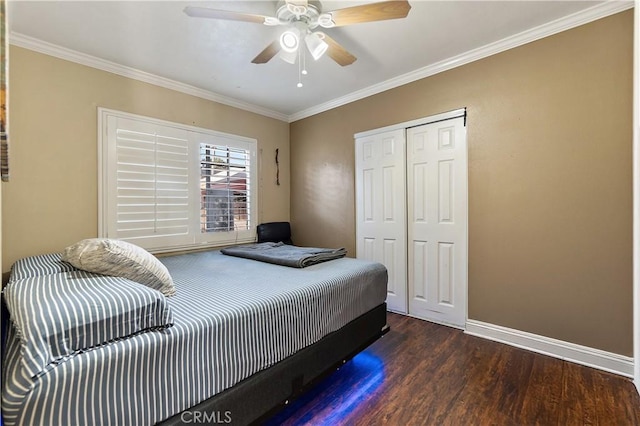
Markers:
(59, 315)
(44, 264)
(232, 318)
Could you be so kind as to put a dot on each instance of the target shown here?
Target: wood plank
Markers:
(422, 373)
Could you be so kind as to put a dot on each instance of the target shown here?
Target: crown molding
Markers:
(37, 45)
(585, 16)
(591, 14)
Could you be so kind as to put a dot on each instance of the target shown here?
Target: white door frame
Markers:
(413, 123)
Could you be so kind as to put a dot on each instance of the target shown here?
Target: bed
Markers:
(245, 337)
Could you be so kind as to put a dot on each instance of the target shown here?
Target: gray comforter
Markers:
(285, 255)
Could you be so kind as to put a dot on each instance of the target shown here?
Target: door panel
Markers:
(380, 209)
(437, 221)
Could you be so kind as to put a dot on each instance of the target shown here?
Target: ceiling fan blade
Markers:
(269, 52)
(337, 52)
(370, 12)
(205, 12)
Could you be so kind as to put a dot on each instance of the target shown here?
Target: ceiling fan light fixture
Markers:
(290, 40)
(316, 45)
(289, 57)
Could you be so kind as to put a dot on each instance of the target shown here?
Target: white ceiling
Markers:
(213, 55)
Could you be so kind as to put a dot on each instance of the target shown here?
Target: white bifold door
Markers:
(381, 209)
(437, 221)
(411, 209)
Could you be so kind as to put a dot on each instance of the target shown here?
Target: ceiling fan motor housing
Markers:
(289, 12)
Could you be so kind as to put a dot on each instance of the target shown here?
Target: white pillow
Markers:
(120, 259)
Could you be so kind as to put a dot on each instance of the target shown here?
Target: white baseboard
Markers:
(596, 358)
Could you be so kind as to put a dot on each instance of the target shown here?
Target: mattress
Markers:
(232, 318)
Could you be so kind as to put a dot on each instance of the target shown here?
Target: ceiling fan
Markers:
(301, 17)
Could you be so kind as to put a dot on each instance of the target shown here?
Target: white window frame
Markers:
(195, 135)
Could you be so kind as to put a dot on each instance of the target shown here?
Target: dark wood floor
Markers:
(426, 374)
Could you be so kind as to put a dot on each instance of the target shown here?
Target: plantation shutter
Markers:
(228, 195)
(226, 186)
(165, 186)
(150, 184)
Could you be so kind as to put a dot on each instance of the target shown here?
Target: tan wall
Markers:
(52, 198)
(550, 174)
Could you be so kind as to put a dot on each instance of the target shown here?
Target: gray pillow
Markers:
(120, 259)
(77, 311)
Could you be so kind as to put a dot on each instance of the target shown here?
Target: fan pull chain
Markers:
(304, 62)
(299, 67)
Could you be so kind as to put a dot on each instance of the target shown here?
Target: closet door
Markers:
(380, 209)
(437, 221)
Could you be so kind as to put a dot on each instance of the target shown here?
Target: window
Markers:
(224, 188)
(166, 186)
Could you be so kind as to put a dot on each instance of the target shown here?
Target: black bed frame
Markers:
(260, 396)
